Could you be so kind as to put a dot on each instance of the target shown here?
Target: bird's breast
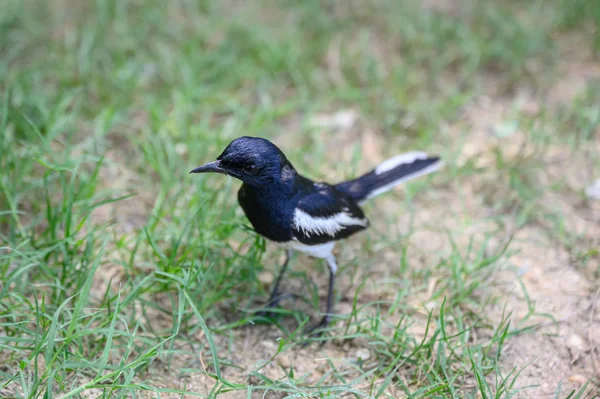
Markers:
(270, 213)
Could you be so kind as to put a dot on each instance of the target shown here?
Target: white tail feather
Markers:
(401, 160)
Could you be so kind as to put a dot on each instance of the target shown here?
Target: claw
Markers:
(273, 302)
(318, 330)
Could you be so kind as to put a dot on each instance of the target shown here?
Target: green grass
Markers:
(117, 267)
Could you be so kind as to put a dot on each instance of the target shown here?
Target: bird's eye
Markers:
(250, 169)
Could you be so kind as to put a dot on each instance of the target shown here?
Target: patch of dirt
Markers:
(562, 346)
(576, 68)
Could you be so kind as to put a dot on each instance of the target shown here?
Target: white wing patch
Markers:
(398, 160)
(329, 225)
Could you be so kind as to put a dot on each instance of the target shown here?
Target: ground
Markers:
(123, 276)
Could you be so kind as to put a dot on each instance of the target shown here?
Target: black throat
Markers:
(270, 208)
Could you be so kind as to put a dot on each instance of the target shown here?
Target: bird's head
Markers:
(254, 160)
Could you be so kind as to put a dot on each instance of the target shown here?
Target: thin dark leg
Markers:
(275, 295)
(327, 317)
(273, 299)
(325, 320)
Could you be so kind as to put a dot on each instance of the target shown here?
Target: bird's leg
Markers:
(275, 297)
(327, 317)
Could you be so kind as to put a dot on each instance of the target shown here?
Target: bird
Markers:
(300, 214)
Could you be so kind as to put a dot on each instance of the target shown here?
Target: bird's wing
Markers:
(326, 215)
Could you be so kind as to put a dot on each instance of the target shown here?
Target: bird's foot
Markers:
(267, 310)
(318, 329)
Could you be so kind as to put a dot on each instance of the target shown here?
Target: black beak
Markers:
(214, 167)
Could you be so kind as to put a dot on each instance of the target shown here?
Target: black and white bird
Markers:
(300, 214)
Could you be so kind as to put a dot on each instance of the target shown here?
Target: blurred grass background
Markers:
(112, 257)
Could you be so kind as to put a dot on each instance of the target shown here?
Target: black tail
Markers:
(389, 174)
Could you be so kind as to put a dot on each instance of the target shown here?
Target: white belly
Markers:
(322, 251)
